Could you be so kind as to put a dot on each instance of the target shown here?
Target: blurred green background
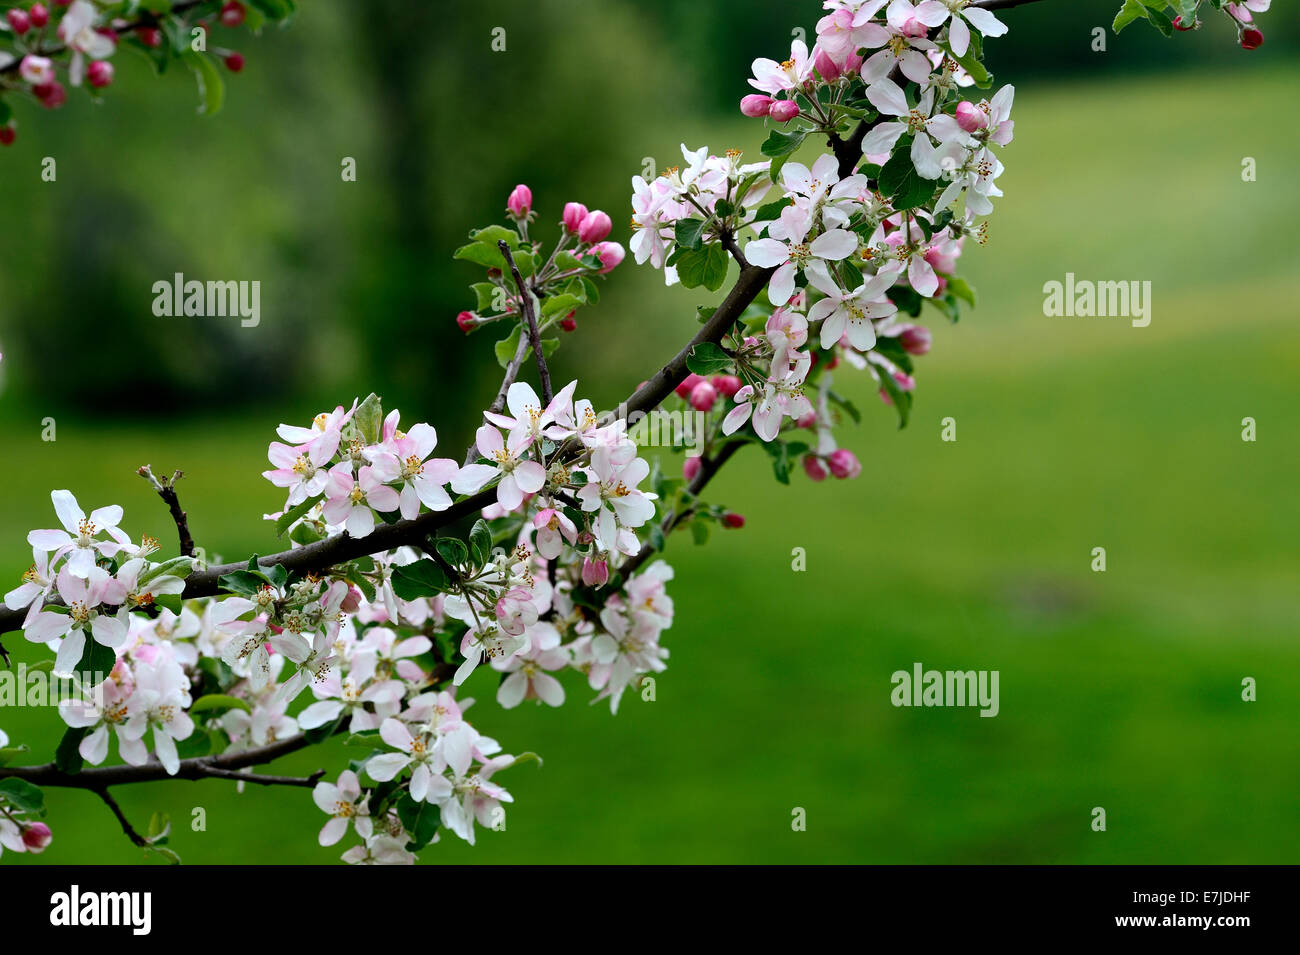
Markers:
(1120, 690)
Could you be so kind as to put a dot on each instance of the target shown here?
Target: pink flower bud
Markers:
(1180, 25)
(36, 70)
(37, 837)
(690, 468)
(52, 95)
(813, 467)
(808, 420)
(19, 21)
(39, 15)
(915, 339)
(235, 62)
(844, 463)
(595, 573)
(610, 255)
(913, 27)
(1251, 39)
(232, 13)
(99, 74)
(827, 68)
(688, 385)
(352, 602)
(970, 117)
(595, 225)
(756, 105)
(568, 323)
(727, 385)
(905, 381)
(703, 396)
(7, 135)
(150, 37)
(784, 110)
(466, 321)
(732, 519)
(520, 202)
(574, 213)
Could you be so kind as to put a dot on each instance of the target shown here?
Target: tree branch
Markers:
(526, 300)
(166, 489)
(708, 468)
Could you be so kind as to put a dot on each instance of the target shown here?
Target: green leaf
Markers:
(902, 183)
(9, 752)
(452, 550)
(1132, 10)
(557, 305)
(496, 233)
(772, 210)
(218, 701)
(285, 520)
(485, 254)
(243, 582)
(902, 399)
(781, 143)
(480, 541)
(419, 819)
(707, 267)
(97, 659)
(962, 289)
(68, 756)
(1161, 21)
(369, 419)
(505, 349)
(689, 233)
(212, 91)
(706, 359)
(22, 794)
(424, 578)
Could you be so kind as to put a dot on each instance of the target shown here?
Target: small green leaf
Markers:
(706, 266)
(480, 540)
(1132, 10)
(424, 578)
(212, 90)
(689, 233)
(781, 143)
(285, 520)
(419, 819)
(217, 702)
(707, 359)
(22, 794)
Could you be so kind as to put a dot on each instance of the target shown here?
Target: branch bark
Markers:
(166, 489)
(526, 302)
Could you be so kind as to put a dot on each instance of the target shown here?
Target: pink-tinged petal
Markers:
(548, 689)
(336, 510)
(395, 734)
(887, 97)
(530, 476)
(109, 516)
(472, 477)
(80, 562)
(431, 493)
(862, 335)
(458, 748)
(48, 626)
(882, 138)
(915, 66)
(70, 651)
(410, 503)
(959, 36)
(386, 766)
(984, 21)
(509, 495)
(108, 631)
(360, 522)
(781, 286)
(520, 398)
(94, 748)
(489, 441)
(512, 689)
(736, 417)
(420, 782)
(834, 245)
(49, 539)
(334, 830)
(383, 498)
(69, 511)
(833, 328)
(922, 277)
(931, 12)
(318, 714)
(820, 279)
(767, 253)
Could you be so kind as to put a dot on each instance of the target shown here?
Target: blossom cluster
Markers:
(47, 46)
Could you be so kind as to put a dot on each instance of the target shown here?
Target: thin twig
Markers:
(166, 489)
(111, 803)
(526, 301)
